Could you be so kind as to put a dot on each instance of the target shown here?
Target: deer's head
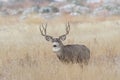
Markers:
(57, 42)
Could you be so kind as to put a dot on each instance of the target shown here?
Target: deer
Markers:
(71, 53)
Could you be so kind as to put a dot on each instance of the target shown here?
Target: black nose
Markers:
(54, 45)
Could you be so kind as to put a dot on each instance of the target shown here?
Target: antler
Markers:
(63, 37)
(67, 28)
(44, 33)
(43, 29)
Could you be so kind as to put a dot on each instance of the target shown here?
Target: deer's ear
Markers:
(48, 38)
(63, 37)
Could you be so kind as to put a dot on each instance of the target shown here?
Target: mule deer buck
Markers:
(73, 53)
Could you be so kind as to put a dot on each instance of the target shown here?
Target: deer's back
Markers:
(76, 49)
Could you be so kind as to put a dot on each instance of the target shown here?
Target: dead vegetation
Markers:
(25, 55)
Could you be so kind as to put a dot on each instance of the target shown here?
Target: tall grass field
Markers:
(26, 55)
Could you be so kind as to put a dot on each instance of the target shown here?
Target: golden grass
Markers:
(25, 55)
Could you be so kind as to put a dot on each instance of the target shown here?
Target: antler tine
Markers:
(67, 28)
(43, 29)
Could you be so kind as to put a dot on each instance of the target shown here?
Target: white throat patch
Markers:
(57, 48)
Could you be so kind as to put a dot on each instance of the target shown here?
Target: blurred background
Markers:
(54, 8)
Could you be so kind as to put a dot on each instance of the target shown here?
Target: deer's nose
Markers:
(54, 45)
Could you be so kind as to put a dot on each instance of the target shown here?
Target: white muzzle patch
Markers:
(56, 47)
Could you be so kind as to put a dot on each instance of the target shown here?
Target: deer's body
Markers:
(73, 53)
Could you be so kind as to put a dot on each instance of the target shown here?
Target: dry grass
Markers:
(25, 55)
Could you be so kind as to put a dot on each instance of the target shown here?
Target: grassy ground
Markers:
(25, 55)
